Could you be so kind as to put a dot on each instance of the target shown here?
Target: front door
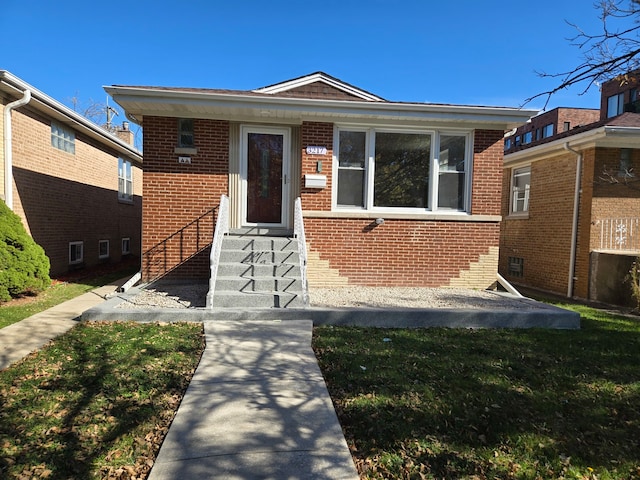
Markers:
(265, 175)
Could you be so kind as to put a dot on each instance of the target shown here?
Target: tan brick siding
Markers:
(65, 197)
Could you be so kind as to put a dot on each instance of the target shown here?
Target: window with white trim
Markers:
(75, 252)
(389, 170)
(125, 180)
(63, 138)
(126, 246)
(103, 249)
(520, 182)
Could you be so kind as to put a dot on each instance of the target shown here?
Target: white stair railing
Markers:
(221, 229)
(298, 232)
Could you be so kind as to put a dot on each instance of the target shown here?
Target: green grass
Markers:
(526, 404)
(96, 402)
(57, 293)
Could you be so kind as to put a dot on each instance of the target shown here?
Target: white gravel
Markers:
(193, 296)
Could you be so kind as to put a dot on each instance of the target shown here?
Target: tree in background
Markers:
(24, 267)
(611, 53)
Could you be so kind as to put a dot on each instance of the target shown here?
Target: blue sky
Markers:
(460, 52)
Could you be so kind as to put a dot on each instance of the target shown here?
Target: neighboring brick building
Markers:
(76, 186)
(392, 193)
(571, 203)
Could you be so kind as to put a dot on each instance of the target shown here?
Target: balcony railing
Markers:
(619, 234)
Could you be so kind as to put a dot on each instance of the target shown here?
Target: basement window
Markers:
(75, 252)
(516, 267)
(103, 249)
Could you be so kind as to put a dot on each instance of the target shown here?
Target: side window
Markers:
(63, 138)
(126, 246)
(185, 133)
(520, 182)
(615, 105)
(125, 180)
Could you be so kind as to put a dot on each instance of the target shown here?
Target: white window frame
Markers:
(434, 174)
(125, 180)
(126, 241)
(75, 259)
(63, 138)
(519, 195)
(100, 244)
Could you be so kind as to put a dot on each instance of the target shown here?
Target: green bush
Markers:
(24, 267)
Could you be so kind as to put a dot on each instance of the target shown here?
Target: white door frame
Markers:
(286, 173)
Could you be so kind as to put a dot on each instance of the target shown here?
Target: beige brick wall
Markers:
(65, 197)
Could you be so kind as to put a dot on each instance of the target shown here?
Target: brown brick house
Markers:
(571, 201)
(392, 193)
(76, 186)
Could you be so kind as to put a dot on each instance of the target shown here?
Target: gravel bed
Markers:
(194, 296)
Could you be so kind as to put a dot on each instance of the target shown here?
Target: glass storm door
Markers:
(266, 175)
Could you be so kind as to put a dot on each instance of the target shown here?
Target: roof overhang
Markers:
(139, 102)
(13, 87)
(607, 136)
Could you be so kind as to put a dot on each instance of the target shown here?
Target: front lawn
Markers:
(96, 402)
(526, 404)
(59, 291)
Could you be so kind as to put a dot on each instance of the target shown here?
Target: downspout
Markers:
(574, 225)
(8, 150)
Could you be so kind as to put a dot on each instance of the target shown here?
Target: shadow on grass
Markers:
(502, 403)
(93, 400)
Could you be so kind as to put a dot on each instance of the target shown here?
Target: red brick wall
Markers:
(63, 197)
(400, 252)
(319, 135)
(177, 228)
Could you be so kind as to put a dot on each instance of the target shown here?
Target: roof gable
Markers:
(318, 85)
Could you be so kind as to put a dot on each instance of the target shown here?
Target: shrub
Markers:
(24, 267)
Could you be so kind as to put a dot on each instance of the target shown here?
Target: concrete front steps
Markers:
(258, 272)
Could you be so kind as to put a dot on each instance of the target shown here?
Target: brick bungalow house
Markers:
(571, 199)
(76, 186)
(392, 193)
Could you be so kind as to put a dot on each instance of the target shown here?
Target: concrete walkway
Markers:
(20, 339)
(256, 408)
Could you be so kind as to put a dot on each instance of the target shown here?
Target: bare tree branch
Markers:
(609, 54)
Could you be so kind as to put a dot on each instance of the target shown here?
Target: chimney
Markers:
(124, 134)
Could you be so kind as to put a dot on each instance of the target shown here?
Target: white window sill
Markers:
(186, 151)
(426, 216)
(518, 216)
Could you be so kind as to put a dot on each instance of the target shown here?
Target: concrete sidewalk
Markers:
(20, 339)
(256, 408)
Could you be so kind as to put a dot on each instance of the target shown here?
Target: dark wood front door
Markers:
(265, 170)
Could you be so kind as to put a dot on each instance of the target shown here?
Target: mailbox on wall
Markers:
(315, 181)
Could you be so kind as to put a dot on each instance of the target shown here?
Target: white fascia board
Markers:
(64, 114)
(140, 102)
